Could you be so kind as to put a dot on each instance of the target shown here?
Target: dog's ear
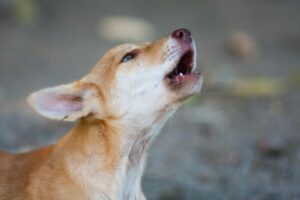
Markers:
(67, 102)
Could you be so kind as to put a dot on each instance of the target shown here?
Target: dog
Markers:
(120, 106)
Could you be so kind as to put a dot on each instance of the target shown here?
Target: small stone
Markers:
(242, 46)
(272, 147)
(175, 193)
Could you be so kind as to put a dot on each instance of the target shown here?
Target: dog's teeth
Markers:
(180, 74)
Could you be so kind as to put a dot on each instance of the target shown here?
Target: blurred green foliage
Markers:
(26, 12)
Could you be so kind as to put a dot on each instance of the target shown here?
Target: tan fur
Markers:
(102, 157)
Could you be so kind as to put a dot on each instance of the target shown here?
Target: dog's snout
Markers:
(182, 34)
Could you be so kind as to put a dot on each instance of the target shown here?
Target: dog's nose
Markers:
(182, 34)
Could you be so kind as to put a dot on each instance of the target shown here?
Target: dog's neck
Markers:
(112, 152)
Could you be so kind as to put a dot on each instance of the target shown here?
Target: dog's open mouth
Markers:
(184, 69)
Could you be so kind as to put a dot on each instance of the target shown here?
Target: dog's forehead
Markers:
(145, 47)
(117, 52)
(123, 48)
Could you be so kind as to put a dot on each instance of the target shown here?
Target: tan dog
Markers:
(121, 106)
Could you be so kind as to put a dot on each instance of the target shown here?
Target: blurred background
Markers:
(238, 140)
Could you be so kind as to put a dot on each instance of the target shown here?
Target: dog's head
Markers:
(131, 81)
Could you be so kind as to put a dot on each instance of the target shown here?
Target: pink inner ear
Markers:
(61, 103)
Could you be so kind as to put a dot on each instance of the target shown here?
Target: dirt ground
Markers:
(238, 140)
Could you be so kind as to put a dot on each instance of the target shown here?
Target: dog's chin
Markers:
(188, 89)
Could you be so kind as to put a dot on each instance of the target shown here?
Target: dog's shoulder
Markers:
(15, 170)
